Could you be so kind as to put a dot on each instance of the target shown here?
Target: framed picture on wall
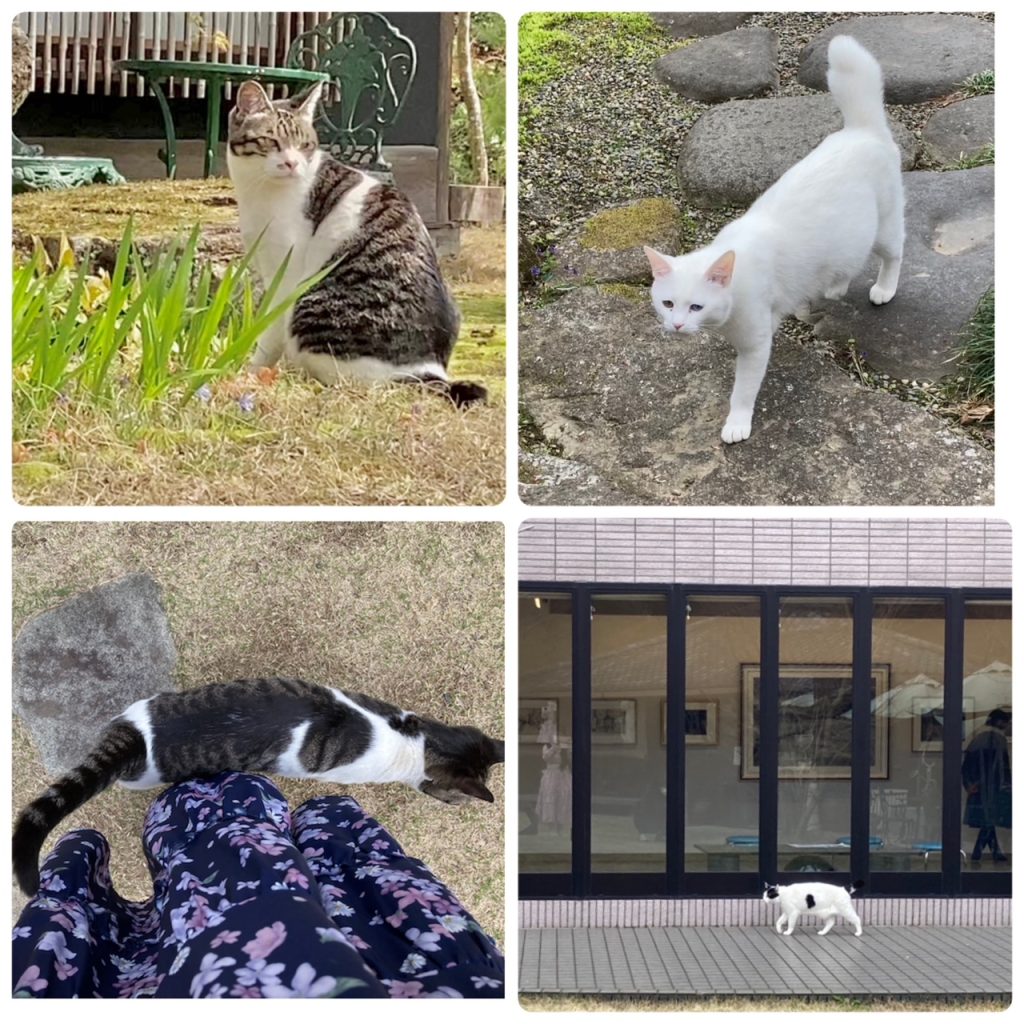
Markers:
(700, 723)
(538, 720)
(815, 722)
(926, 722)
(613, 722)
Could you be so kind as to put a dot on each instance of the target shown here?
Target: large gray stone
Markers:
(78, 665)
(962, 129)
(947, 266)
(642, 410)
(687, 24)
(922, 55)
(733, 65)
(736, 150)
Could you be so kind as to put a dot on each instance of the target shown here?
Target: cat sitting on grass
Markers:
(816, 898)
(383, 312)
(802, 240)
(281, 726)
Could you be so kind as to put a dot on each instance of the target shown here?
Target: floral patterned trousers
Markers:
(251, 902)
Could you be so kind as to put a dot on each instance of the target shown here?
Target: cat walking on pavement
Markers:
(802, 240)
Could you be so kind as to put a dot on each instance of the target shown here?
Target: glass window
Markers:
(908, 638)
(815, 732)
(723, 639)
(545, 728)
(985, 766)
(628, 687)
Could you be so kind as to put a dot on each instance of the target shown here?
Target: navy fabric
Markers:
(250, 901)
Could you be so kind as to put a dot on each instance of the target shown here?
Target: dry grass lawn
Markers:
(275, 439)
(762, 1004)
(412, 613)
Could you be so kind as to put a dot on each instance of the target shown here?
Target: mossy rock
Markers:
(607, 248)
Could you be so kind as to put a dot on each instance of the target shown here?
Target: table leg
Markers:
(170, 154)
(213, 90)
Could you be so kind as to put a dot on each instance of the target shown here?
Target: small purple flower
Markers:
(247, 403)
(535, 272)
(204, 394)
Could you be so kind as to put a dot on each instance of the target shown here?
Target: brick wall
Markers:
(821, 552)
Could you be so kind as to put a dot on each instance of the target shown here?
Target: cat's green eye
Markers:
(667, 304)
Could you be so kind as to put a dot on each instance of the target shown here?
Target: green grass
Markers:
(552, 44)
(985, 155)
(762, 1004)
(976, 358)
(980, 84)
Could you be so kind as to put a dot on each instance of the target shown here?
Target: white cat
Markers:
(817, 898)
(802, 240)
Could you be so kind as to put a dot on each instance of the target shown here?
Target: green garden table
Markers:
(156, 72)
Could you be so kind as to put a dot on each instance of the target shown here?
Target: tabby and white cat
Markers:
(283, 726)
(816, 898)
(384, 312)
(802, 240)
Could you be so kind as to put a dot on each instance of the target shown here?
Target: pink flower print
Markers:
(31, 980)
(380, 844)
(210, 970)
(64, 970)
(266, 941)
(293, 876)
(405, 989)
(246, 992)
(224, 938)
(407, 897)
(424, 940)
(483, 982)
(305, 985)
(397, 918)
(259, 973)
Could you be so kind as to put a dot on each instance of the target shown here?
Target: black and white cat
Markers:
(802, 240)
(383, 312)
(817, 898)
(282, 726)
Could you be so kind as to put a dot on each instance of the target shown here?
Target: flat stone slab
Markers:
(78, 665)
(547, 479)
(894, 961)
(687, 24)
(733, 65)
(736, 150)
(948, 265)
(644, 410)
(922, 55)
(962, 129)
(608, 246)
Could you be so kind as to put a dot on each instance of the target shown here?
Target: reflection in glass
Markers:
(815, 723)
(722, 634)
(545, 728)
(628, 680)
(988, 706)
(908, 634)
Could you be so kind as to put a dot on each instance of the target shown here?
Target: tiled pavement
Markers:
(885, 960)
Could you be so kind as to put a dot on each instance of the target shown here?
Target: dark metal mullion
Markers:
(768, 739)
(952, 742)
(675, 751)
(581, 622)
(861, 738)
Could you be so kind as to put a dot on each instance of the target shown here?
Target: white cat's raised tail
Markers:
(802, 240)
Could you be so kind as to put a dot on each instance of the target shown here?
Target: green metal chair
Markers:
(372, 67)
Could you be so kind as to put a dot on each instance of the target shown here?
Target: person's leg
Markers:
(238, 910)
(406, 923)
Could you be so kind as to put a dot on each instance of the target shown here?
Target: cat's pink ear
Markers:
(660, 266)
(252, 99)
(720, 271)
(305, 106)
(473, 788)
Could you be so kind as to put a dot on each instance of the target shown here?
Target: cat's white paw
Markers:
(879, 295)
(859, 932)
(838, 290)
(735, 430)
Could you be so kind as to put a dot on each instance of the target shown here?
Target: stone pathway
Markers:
(638, 415)
(81, 663)
(894, 961)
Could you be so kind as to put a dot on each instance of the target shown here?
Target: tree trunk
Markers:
(467, 85)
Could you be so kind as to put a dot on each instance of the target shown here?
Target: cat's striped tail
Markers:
(855, 81)
(461, 392)
(120, 753)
